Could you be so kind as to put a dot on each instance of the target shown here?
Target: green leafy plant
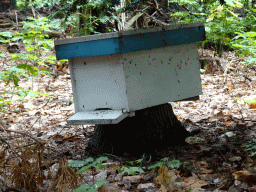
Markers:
(89, 163)
(137, 167)
(38, 48)
(222, 23)
(173, 164)
(251, 145)
(195, 13)
(13, 74)
(7, 37)
(246, 45)
(131, 167)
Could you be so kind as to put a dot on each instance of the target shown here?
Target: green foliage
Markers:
(130, 170)
(93, 188)
(89, 164)
(202, 70)
(251, 145)
(92, 14)
(173, 164)
(245, 42)
(7, 37)
(222, 23)
(129, 167)
(252, 101)
(137, 167)
(95, 164)
(38, 48)
(196, 13)
(36, 43)
(12, 74)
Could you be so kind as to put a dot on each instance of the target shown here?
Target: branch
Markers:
(156, 20)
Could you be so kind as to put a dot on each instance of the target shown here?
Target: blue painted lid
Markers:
(129, 41)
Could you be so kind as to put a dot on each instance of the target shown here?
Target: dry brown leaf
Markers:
(163, 177)
(252, 105)
(70, 139)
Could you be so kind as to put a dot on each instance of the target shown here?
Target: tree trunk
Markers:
(150, 129)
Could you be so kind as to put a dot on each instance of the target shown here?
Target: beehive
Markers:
(115, 74)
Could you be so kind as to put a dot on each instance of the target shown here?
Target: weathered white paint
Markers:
(132, 81)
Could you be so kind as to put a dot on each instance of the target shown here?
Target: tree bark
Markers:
(149, 130)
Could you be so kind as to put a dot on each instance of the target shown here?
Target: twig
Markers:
(23, 133)
(34, 10)
(28, 135)
(156, 20)
(17, 19)
(115, 157)
(35, 121)
(242, 119)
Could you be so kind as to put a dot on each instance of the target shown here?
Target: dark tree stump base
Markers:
(151, 129)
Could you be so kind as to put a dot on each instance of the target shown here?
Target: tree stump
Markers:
(150, 129)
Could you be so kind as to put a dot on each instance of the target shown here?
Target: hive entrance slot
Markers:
(99, 109)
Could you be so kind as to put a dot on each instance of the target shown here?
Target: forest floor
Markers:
(214, 160)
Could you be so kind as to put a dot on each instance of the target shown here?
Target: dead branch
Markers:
(155, 19)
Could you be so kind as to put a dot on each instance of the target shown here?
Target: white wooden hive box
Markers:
(115, 74)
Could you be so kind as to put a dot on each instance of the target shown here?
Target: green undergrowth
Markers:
(30, 64)
(128, 167)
